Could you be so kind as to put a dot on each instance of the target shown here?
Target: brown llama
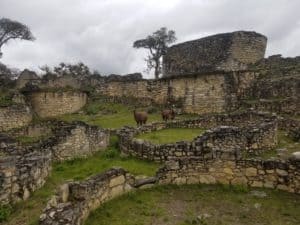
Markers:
(168, 114)
(140, 117)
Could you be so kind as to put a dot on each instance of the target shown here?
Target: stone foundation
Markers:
(78, 140)
(76, 200)
(282, 175)
(21, 172)
(250, 139)
(23, 169)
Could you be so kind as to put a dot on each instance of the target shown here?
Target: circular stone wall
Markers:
(50, 104)
(252, 134)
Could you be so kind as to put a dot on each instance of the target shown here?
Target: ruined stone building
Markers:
(220, 52)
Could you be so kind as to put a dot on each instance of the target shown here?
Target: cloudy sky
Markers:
(100, 33)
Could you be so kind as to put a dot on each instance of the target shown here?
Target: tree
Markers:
(9, 73)
(79, 70)
(10, 29)
(157, 44)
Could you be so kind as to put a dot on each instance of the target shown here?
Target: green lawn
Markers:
(198, 205)
(27, 212)
(171, 135)
(112, 115)
(107, 115)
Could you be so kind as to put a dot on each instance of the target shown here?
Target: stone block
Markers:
(251, 172)
(257, 184)
(281, 172)
(116, 190)
(180, 180)
(268, 184)
(239, 181)
(228, 171)
(64, 192)
(207, 179)
(120, 180)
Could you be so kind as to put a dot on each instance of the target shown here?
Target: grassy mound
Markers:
(171, 135)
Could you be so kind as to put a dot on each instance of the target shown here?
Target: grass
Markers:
(27, 212)
(117, 115)
(159, 205)
(30, 139)
(5, 211)
(171, 135)
(198, 204)
(112, 115)
(5, 98)
(284, 142)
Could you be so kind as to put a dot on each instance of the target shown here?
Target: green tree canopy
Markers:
(157, 44)
(10, 29)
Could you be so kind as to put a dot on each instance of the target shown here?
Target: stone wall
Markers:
(23, 169)
(225, 52)
(292, 126)
(78, 140)
(283, 175)
(289, 106)
(32, 130)
(49, 104)
(221, 140)
(26, 76)
(202, 93)
(14, 116)
(76, 200)
(277, 88)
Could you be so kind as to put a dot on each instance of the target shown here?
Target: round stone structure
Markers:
(227, 135)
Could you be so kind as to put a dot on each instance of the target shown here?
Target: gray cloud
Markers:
(100, 33)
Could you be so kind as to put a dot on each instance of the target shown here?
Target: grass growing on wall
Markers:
(5, 98)
(26, 140)
(199, 205)
(171, 135)
(28, 212)
(284, 142)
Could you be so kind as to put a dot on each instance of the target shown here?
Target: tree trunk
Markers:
(156, 69)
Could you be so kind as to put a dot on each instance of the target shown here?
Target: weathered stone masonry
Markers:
(221, 52)
(23, 169)
(77, 199)
(50, 104)
(220, 140)
(214, 157)
(276, 174)
(202, 93)
(14, 116)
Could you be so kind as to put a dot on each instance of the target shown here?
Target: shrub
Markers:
(5, 211)
(111, 153)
